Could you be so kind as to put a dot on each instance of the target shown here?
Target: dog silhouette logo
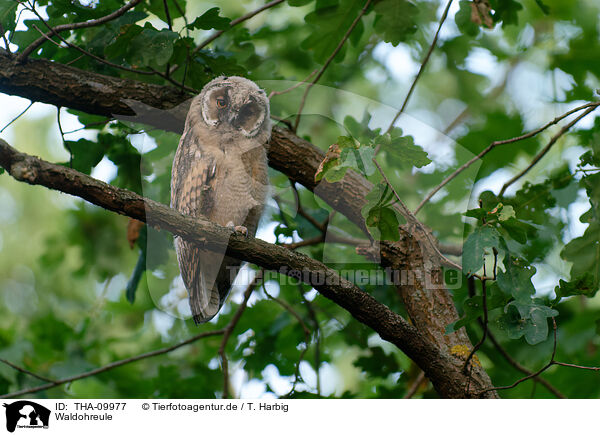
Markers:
(26, 414)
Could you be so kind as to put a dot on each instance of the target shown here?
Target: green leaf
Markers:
(381, 219)
(583, 285)
(584, 253)
(8, 10)
(463, 19)
(210, 20)
(157, 7)
(85, 154)
(118, 50)
(351, 156)
(126, 158)
(516, 279)
(535, 316)
(402, 150)
(378, 363)
(518, 230)
(506, 11)
(329, 24)
(297, 3)
(545, 8)
(383, 223)
(360, 131)
(507, 212)
(151, 47)
(480, 242)
(395, 20)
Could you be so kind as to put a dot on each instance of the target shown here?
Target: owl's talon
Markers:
(241, 229)
(238, 229)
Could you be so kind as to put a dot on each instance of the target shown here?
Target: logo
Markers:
(26, 414)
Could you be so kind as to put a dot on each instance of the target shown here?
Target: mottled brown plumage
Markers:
(220, 172)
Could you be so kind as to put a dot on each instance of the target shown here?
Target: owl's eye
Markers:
(221, 103)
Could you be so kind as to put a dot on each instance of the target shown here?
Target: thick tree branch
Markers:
(442, 369)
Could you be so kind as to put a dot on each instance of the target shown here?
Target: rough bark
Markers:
(165, 107)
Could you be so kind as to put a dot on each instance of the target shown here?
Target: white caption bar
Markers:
(163, 417)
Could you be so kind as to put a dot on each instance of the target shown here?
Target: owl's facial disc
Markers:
(215, 104)
(250, 117)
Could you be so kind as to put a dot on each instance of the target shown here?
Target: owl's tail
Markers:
(207, 276)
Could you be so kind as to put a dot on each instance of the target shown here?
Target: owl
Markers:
(220, 173)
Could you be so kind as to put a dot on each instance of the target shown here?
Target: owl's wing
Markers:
(192, 193)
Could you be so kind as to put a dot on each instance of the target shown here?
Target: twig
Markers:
(170, 25)
(168, 15)
(595, 369)
(71, 62)
(27, 372)
(233, 23)
(291, 88)
(522, 369)
(62, 136)
(302, 212)
(534, 374)
(313, 317)
(485, 324)
(494, 144)
(414, 387)
(449, 249)
(229, 329)
(113, 365)
(17, 117)
(109, 63)
(307, 335)
(322, 238)
(421, 69)
(72, 26)
(5, 40)
(542, 153)
(328, 61)
(492, 95)
(91, 124)
(17, 21)
(182, 13)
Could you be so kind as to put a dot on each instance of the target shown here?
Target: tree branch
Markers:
(17, 117)
(328, 61)
(442, 369)
(494, 144)
(112, 365)
(73, 26)
(25, 371)
(233, 23)
(542, 153)
(229, 329)
(421, 69)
